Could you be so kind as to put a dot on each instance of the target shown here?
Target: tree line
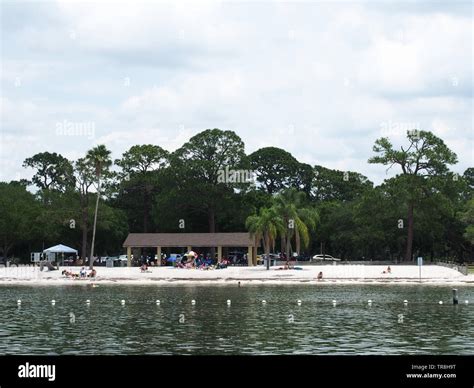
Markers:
(93, 203)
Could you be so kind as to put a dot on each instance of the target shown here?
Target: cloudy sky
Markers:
(322, 80)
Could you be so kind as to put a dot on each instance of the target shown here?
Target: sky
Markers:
(322, 80)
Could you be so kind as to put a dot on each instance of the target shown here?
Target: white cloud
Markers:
(322, 80)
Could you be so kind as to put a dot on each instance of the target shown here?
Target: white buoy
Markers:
(334, 302)
(158, 302)
(228, 302)
(193, 302)
(369, 301)
(18, 302)
(299, 302)
(440, 302)
(53, 302)
(264, 301)
(122, 302)
(466, 302)
(88, 301)
(405, 302)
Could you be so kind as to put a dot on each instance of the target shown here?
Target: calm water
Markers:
(245, 327)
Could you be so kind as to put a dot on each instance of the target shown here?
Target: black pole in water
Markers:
(455, 296)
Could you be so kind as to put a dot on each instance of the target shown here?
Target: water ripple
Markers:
(246, 327)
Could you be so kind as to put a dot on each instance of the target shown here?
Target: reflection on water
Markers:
(245, 327)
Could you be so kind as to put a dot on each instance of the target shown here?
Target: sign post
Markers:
(420, 263)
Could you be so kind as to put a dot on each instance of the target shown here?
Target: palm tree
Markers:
(265, 225)
(99, 157)
(298, 219)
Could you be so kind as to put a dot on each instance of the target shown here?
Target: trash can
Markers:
(109, 263)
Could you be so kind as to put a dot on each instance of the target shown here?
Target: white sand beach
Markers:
(350, 274)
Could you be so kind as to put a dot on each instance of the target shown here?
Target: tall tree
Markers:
(425, 156)
(99, 157)
(53, 171)
(335, 230)
(303, 178)
(53, 177)
(276, 169)
(139, 165)
(84, 174)
(19, 212)
(265, 226)
(371, 228)
(299, 219)
(468, 218)
(468, 179)
(328, 184)
(207, 167)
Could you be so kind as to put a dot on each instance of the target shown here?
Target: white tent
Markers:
(53, 251)
(60, 249)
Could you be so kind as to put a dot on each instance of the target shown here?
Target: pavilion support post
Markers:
(129, 256)
(219, 254)
(250, 256)
(254, 256)
(158, 256)
(189, 247)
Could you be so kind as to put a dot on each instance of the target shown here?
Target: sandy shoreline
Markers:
(333, 274)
